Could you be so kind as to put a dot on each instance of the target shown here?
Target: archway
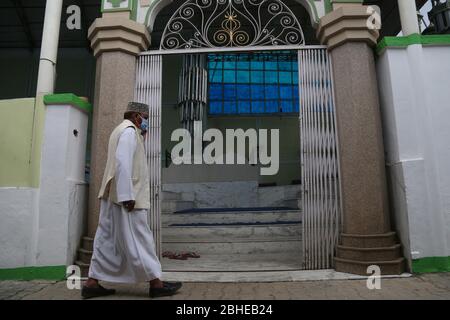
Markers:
(157, 6)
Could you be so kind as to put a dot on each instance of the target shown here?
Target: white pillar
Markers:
(49, 47)
(408, 17)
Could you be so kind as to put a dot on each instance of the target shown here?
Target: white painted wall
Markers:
(63, 189)
(43, 227)
(415, 100)
(18, 211)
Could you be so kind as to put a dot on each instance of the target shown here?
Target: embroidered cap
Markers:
(137, 107)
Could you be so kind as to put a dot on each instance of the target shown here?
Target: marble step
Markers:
(292, 246)
(294, 203)
(235, 263)
(88, 243)
(240, 232)
(169, 195)
(85, 256)
(84, 267)
(232, 217)
(170, 206)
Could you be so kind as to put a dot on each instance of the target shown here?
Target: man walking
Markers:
(124, 250)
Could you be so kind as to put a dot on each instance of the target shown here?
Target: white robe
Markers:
(124, 249)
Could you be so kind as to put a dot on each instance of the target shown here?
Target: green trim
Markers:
(68, 99)
(328, 6)
(431, 264)
(313, 5)
(116, 4)
(134, 8)
(403, 42)
(149, 10)
(34, 273)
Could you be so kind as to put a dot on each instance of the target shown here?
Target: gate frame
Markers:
(156, 184)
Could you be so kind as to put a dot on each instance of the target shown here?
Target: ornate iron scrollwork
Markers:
(231, 23)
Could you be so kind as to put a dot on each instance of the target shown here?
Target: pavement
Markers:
(434, 286)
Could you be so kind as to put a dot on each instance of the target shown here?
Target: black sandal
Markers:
(95, 292)
(168, 289)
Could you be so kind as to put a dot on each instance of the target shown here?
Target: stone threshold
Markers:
(268, 276)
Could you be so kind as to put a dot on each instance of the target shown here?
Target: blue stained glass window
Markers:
(272, 106)
(229, 107)
(271, 92)
(257, 76)
(244, 106)
(216, 92)
(257, 92)
(243, 76)
(271, 77)
(286, 92)
(257, 106)
(229, 76)
(229, 92)
(285, 77)
(253, 83)
(271, 65)
(243, 92)
(215, 107)
(287, 106)
(229, 65)
(296, 93)
(243, 65)
(216, 76)
(257, 65)
(285, 66)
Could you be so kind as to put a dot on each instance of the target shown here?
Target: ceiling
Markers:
(21, 21)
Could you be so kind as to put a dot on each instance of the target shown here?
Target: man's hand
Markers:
(129, 205)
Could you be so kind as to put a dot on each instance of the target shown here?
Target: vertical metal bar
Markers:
(319, 156)
(148, 90)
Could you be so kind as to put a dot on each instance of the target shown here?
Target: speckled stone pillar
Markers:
(116, 41)
(366, 238)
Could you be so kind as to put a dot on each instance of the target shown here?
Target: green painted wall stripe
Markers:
(68, 99)
(403, 42)
(34, 273)
(431, 264)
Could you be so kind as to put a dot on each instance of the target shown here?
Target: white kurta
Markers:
(124, 249)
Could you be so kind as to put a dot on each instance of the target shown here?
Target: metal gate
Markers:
(148, 90)
(318, 138)
(319, 159)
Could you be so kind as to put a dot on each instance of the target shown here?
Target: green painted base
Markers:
(68, 99)
(431, 264)
(34, 273)
(403, 42)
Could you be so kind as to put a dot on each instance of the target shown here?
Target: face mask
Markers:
(144, 124)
